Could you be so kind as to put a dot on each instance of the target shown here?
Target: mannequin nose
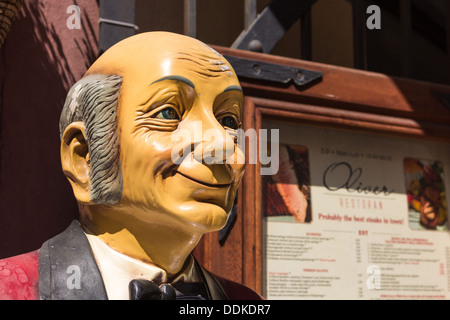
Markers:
(205, 140)
(216, 147)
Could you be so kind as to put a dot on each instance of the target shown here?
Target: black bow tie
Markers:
(141, 289)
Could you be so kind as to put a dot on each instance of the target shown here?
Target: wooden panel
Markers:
(224, 258)
(345, 98)
(350, 89)
(248, 207)
(354, 119)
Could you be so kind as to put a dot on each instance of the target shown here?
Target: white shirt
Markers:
(118, 269)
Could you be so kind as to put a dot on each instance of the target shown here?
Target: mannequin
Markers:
(149, 183)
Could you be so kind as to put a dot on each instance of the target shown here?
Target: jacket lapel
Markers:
(215, 290)
(68, 271)
(67, 268)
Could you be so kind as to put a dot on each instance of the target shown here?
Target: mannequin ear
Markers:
(75, 161)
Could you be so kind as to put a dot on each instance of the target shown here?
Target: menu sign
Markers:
(353, 215)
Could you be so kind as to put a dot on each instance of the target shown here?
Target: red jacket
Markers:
(19, 277)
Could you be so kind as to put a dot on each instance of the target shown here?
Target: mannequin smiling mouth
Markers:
(206, 184)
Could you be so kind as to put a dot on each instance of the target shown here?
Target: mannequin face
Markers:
(180, 88)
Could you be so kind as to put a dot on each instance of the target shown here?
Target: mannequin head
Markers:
(118, 128)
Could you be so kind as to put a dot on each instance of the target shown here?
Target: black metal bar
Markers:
(306, 36)
(250, 13)
(116, 22)
(190, 18)
(272, 72)
(271, 25)
(406, 31)
(427, 18)
(359, 34)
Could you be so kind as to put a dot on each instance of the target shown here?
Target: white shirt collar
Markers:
(118, 270)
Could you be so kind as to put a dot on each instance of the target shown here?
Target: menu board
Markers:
(352, 215)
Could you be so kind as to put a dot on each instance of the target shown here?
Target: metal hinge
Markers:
(270, 26)
(259, 70)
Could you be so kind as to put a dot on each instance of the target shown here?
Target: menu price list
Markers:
(340, 264)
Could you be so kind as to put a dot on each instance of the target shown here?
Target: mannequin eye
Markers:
(168, 113)
(229, 121)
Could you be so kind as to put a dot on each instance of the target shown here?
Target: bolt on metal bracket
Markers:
(278, 73)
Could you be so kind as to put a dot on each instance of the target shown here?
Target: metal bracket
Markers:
(278, 73)
(116, 19)
(271, 25)
(118, 23)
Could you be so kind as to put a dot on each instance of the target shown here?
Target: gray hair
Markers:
(93, 100)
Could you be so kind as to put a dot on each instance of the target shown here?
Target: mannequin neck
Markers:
(161, 244)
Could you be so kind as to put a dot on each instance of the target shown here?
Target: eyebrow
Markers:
(176, 78)
(231, 88)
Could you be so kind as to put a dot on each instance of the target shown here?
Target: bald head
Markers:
(159, 50)
(129, 68)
